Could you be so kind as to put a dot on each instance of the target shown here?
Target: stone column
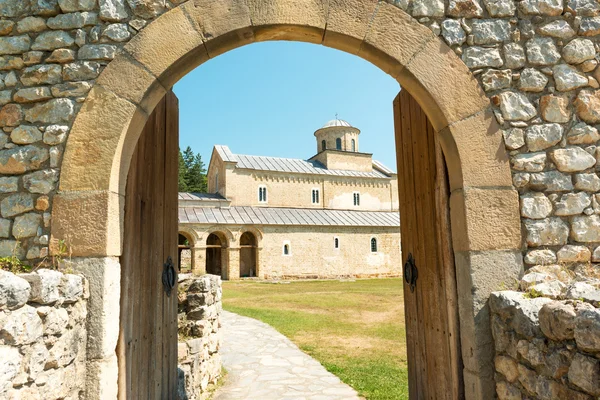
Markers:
(199, 260)
(233, 264)
(259, 266)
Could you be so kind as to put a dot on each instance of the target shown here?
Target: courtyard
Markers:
(355, 329)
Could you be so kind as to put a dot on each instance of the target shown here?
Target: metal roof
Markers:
(286, 216)
(200, 196)
(294, 165)
(382, 168)
(336, 122)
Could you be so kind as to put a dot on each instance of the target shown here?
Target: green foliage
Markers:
(533, 293)
(192, 172)
(14, 265)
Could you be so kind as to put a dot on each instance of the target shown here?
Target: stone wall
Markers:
(42, 335)
(199, 336)
(312, 251)
(535, 59)
(545, 349)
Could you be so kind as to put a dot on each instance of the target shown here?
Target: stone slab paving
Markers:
(263, 364)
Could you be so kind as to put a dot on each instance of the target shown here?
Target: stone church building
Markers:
(333, 215)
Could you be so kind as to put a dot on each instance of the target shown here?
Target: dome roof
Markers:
(336, 122)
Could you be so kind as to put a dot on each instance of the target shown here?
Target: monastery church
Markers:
(331, 216)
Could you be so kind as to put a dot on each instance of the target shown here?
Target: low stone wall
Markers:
(545, 348)
(199, 335)
(42, 335)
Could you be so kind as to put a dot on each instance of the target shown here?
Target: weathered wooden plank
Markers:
(148, 326)
(171, 230)
(435, 369)
(407, 226)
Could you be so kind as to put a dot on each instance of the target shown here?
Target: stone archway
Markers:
(185, 255)
(484, 205)
(248, 255)
(216, 253)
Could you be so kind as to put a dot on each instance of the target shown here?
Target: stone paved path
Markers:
(263, 364)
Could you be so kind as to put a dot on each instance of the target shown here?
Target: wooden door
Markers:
(147, 347)
(432, 329)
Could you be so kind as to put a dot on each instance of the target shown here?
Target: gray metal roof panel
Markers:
(182, 216)
(287, 216)
(263, 163)
(379, 165)
(200, 196)
(227, 214)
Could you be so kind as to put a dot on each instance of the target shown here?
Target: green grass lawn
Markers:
(355, 329)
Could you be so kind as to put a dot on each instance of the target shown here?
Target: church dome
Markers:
(336, 122)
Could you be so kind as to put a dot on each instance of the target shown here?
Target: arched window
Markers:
(353, 145)
(336, 243)
(315, 196)
(262, 194)
(286, 249)
(373, 245)
(356, 199)
(338, 144)
(323, 145)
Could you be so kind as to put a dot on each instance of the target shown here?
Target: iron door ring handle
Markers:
(410, 272)
(169, 276)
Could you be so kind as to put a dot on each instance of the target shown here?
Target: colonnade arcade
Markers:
(231, 254)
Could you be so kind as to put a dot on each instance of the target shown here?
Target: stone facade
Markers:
(312, 252)
(545, 349)
(337, 242)
(42, 335)
(526, 68)
(199, 335)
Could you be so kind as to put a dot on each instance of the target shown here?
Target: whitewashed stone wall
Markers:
(199, 335)
(545, 349)
(42, 335)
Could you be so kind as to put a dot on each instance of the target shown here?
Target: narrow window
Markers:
(338, 144)
(323, 145)
(353, 145)
(373, 245)
(315, 196)
(356, 199)
(217, 182)
(262, 194)
(286, 249)
(336, 243)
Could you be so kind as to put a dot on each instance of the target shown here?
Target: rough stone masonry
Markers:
(199, 323)
(536, 59)
(42, 335)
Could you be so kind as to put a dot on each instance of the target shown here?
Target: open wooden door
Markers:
(147, 347)
(432, 325)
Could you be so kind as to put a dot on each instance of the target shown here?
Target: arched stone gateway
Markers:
(486, 233)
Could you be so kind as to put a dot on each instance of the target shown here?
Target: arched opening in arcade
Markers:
(248, 254)
(184, 249)
(216, 255)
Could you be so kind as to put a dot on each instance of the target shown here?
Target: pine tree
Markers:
(183, 187)
(192, 172)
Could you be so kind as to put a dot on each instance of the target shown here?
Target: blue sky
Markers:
(269, 98)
